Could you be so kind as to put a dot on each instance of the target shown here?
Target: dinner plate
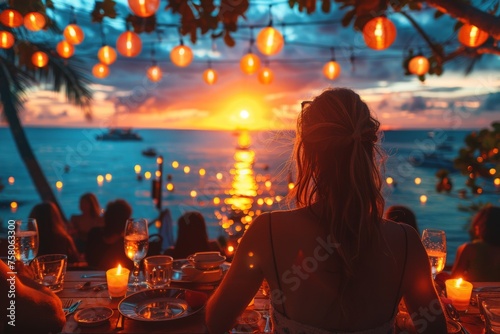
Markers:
(177, 275)
(93, 316)
(162, 304)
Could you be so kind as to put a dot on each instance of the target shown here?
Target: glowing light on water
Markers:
(137, 169)
(108, 177)
(175, 164)
(11, 180)
(219, 176)
(202, 172)
(418, 180)
(423, 199)
(389, 180)
(147, 175)
(187, 169)
(59, 185)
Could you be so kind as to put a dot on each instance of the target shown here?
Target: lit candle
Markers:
(459, 291)
(117, 279)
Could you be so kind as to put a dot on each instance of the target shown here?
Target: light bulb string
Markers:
(252, 40)
(72, 15)
(103, 35)
(270, 16)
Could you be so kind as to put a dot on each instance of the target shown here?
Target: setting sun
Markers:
(244, 114)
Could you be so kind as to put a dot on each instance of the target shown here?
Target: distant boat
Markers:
(434, 160)
(119, 134)
(149, 152)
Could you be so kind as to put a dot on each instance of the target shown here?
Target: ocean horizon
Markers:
(76, 158)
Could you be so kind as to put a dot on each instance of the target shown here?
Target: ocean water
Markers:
(214, 151)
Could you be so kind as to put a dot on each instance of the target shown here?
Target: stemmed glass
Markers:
(26, 240)
(434, 242)
(136, 246)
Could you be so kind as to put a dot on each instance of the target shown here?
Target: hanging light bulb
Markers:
(73, 34)
(471, 36)
(65, 49)
(270, 41)
(129, 44)
(379, 33)
(100, 71)
(144, 8)
(6, 40)
(39, 59)
(11, 18)
(210, 76)
(266, 76)
(34, 21)
(106, 55)
(181, 55)
(418, 65)
(154, 73)
(249, 63)
(331, 70)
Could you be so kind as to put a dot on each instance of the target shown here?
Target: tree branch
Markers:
(469, 14)
(435, 50)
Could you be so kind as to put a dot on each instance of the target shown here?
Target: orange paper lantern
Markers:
(107, 55)
(250, 63)
(269, 41)
(34, 21)
(266, 76)
(331, 70)
(65, 49)
(11, 18)
(471, 36)
(39, 59)
(100, 71)
(379, 33)
(210, 76)
(6, 40)
(154, 73)
(181, 55)
(74, 34)
(144, 8)
(129, 44)
(418, 65)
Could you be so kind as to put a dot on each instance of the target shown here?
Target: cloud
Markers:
(416, 104)
(47, 115)
(491, 103)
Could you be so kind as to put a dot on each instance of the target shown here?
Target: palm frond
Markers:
(14, 82)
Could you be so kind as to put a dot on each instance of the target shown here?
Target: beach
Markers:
(75, 158)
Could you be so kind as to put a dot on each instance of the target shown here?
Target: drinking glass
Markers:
(434, 242)
(26, 240)
(136, 246)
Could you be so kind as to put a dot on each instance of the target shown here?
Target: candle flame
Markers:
(119, 269)
(459, 282)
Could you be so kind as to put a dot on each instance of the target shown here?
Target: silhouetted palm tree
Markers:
(18, 75)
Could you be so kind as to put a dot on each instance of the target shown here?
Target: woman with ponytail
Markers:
(333, 264)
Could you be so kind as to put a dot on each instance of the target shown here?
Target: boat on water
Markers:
(119, 134)
(149, 152)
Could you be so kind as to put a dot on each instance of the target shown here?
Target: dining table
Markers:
(96, 295)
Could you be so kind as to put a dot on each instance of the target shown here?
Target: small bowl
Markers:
(93, 316)
(206, 260)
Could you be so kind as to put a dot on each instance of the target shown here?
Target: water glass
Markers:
(26, 240)
(491, 309)
(136, 246)
(50, 270)
(481, 296)
(158, 271)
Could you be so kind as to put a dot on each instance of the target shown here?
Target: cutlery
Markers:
(93, 275)
(452, 312)
(72, 308)
(267, 327)
(119, 322)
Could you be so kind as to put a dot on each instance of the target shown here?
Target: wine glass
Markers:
(434, 242)
(136, 246)
(26, 240)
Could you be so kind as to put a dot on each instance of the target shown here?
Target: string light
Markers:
(106, 55)
(100, 71)
(250, 63)
(6, 40)
(418, 65)
(129, 44)
(74, 34)
(65, 49)
(181, 55)
(39, 59)
(11, 18)
(331, 70)
(144, 8)
(266, 76)
(34, 21)
(154, 73)
(210, 75)
(379, 33)
(471, 36)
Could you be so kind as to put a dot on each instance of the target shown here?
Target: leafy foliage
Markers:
(480, 156)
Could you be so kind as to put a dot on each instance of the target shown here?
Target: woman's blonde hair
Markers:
(336, 155)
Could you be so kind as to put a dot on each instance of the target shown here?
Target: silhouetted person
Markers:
(479, 260)
(87, 220)
(53, 237)
(402, 214)
(192, 237)
(105, 247)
